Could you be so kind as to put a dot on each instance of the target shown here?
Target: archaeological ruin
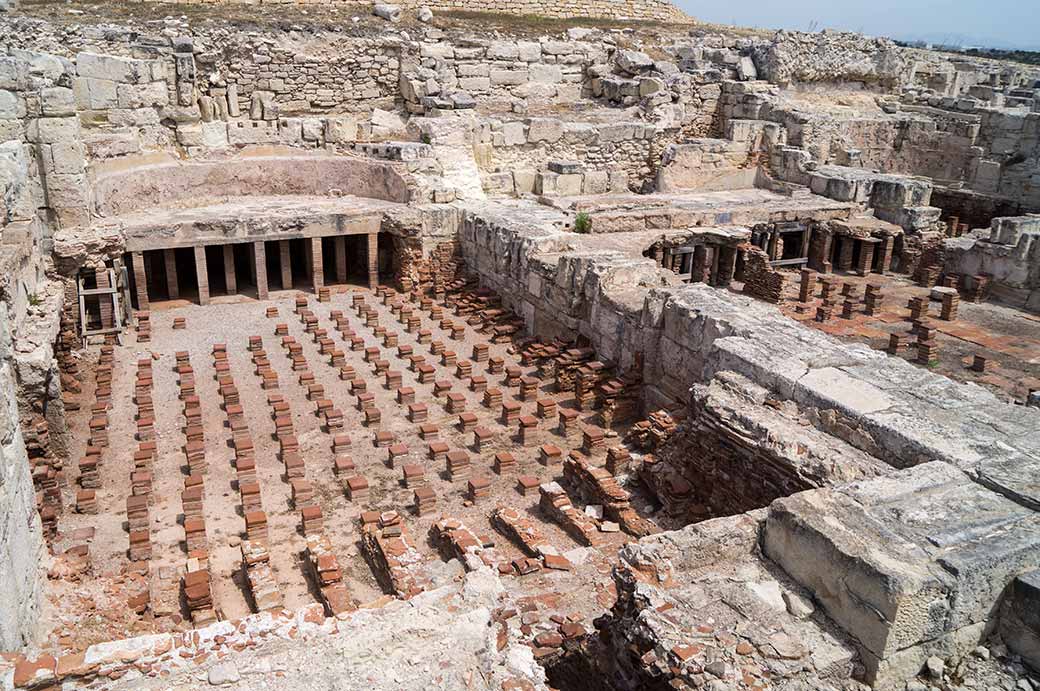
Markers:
(515, 346)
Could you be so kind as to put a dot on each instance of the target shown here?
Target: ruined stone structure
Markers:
(456, 353)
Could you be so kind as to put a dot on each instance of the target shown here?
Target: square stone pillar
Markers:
(341, 258)
(202, 274)
(229, 269)
(373, 260)
(172, 287)
(140, 280)
(285, 263)
(317, 264)
(713, 277)
(260, 269)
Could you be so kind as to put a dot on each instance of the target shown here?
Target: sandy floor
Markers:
(94, 608)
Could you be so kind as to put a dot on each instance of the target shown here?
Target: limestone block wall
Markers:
(628, 150)
(341, 74)
(494, 72)
(832, 57)
(1009, 253)
(21, 285)
(21, 534)
(645, 10)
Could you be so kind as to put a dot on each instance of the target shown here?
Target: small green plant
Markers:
(35, 300)
(582, 223)
(425, 138)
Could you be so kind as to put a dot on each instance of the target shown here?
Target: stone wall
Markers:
(642, 10)
(632, 312)
(21, 535)
(831, 57)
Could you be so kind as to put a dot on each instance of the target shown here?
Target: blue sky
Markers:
(1005, 23)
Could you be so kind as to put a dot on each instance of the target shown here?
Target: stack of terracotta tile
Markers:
(302, 492)
(492, 398)
(593, 441)
(425, 501)
(140, 545)
(89, 475)
(927, 346)
(467, 422)
(479, 488)
(873, 299)
(357, 488)
(137, 513)
(550, 455)
(249, 494)
(195, 455)
(195, 534)
(256, 525)
(414, 475)
(527, 430)
(199, 597)
(86, 501)
(527, 485)
(98, 425)
(504, 462)
(483, 438)
(950, 303)
(311, 519)
(568, 425)
(144, 326)
(458, 465)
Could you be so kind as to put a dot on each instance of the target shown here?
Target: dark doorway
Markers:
(245, 267)
(187, 279)
(300, 254)
(215, 270)
(357, 259)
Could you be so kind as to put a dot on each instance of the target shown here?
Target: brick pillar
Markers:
(820, 252)
(866, 258)
(140, 280)
(229, 269)
(373, 260)
(285, 263)
(104, 301)
(202, 275)
(845, 253)
(317, 264)
(727, 266)
(885, 263)
(700, 263)
(172, 287)
(260, 269)
(341, 258)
